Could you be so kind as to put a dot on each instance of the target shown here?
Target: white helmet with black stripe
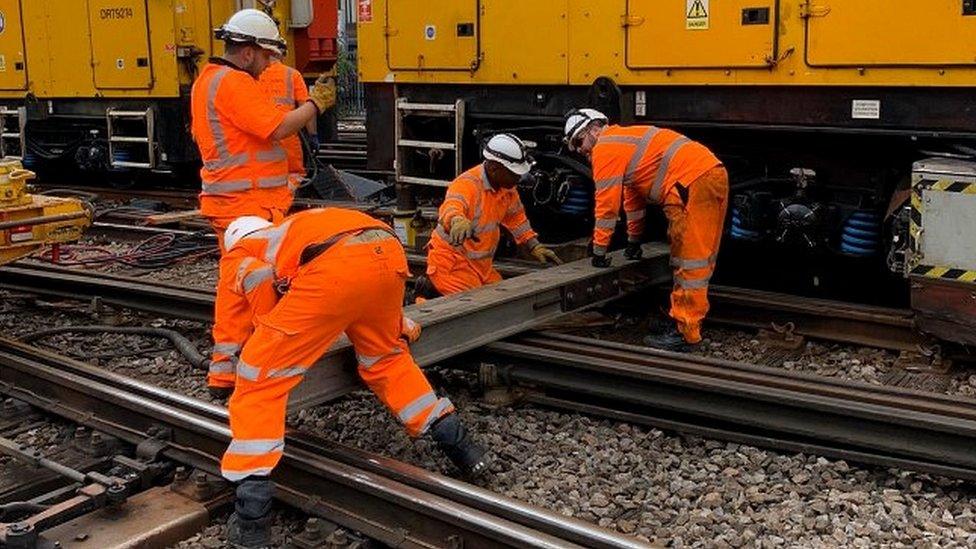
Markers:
(577, 121)
(250, 26)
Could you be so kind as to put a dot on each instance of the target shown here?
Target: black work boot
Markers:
(453, 439)
(670, 340)
(250, 524)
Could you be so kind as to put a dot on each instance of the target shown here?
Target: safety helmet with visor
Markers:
(251, 26)
(509, 151)
(577, 122)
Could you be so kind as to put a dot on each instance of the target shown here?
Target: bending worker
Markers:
(238, 128)
(286, 88)
(637, 165)
(339, 271)
(462, 248)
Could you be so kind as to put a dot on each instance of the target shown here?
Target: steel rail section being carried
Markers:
(395, 503)
(452, 325)
(756, 405)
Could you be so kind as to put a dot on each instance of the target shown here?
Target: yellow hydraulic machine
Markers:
(29, 222)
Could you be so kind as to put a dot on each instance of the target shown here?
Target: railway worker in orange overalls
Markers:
(462, 249)
(338, 271)
(287, 89)
(238, 128)
(637, 165)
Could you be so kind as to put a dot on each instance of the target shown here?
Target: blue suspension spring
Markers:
(738, 231)
(579, 201)
(861, 234)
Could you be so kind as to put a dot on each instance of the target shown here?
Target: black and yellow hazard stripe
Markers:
(919, 185)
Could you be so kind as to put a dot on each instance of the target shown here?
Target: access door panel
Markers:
(13, 64)
(437, 36)
(120, 44)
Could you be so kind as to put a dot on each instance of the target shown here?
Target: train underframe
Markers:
(820, 200)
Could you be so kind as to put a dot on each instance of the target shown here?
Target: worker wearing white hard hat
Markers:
(238, 128)
(462, 249)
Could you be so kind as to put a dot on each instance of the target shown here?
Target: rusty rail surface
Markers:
(395, 503)
(745, 403)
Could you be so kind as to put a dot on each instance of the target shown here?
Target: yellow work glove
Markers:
(461, 229)
(410, 330)
(323, 93)
(543, 254)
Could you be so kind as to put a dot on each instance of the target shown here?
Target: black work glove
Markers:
(633, 251)
(601, 261)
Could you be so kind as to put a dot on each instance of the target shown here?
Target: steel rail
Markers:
(883, 327)
(390, 501)
(772, 407)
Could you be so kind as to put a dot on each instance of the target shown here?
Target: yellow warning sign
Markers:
(697, 15)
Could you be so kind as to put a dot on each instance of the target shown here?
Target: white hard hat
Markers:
(509, 151)
(579, 120)
(253, 26)
(241, 227)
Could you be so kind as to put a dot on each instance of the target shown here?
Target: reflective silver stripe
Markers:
(636, 215)
(218, 187)
(606, 223)
(275, 236)
(256, 277)
(368, 362)
(242, 268)
(442, 405)
(442, 233)
(481, 255)
(222, 367)
(599, 250)
(692, 284)
(256, 447)
(484, 178)
(415, 408)
(639, 151)
(662, 170)
(456, 196)
(294, 371)
(692, 263)
(602, 184)
(224, 158)
(290, 85)
(487, 228)
(247, 371)
(274, 154)
(235, 476)
(273, 181)
(284, 101)
(229, 349)
(625, 139)
(523, 228)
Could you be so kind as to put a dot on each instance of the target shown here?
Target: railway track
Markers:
(389, 501)
(760, 406)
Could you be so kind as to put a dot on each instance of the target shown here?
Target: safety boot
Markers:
(670, 340)
(454, 440)
(250, 524)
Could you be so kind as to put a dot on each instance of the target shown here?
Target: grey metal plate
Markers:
(961, 170)
(949, 230)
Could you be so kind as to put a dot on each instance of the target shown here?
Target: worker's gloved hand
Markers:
(601, 260)
(323, 93)
(461, 229)
(543, 254)
(410, 330)
(634, 251)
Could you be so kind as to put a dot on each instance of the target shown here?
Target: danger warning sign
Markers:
(697, 14)
(365, 11)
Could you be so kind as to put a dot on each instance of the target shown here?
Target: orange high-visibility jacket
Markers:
(244, 172)
(637, 165)
(286, 87)
(251, 270)
(472, 196)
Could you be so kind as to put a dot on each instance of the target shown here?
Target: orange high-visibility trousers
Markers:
(353, 288)
(695, 231)
(451, 272)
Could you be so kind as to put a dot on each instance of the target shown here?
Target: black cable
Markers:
(182, 344)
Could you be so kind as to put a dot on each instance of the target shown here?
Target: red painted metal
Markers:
(317, 47)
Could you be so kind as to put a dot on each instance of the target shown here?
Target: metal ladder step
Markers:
(9, 134)
(414, 111)
(118, 142)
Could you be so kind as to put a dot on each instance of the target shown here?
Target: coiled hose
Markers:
(180, 342)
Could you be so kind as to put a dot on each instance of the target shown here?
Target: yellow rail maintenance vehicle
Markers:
(103, 85)
(847, 126)
(29, 222)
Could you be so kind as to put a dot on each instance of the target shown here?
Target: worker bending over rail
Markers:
(237, 127)
(637, 165)
(286, 88)
(337, 271)
(462, 249)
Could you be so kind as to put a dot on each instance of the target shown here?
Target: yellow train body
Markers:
(670, 42)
